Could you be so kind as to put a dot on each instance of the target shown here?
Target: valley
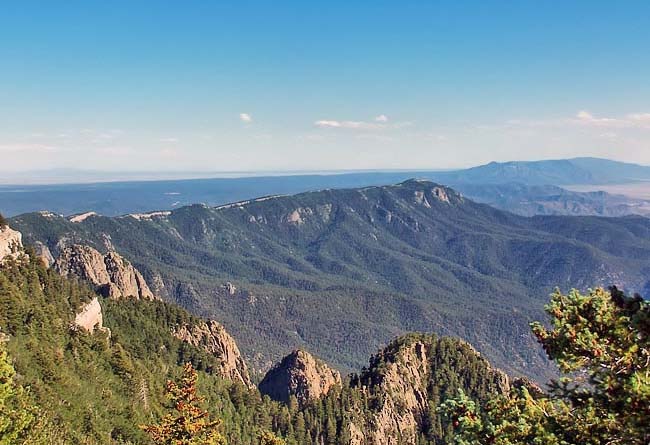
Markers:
(637, 190)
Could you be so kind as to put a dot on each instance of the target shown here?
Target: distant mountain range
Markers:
(530, 200)
(519, 187)
(340, 272)
(551, 172)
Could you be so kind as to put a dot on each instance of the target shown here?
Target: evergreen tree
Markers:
(16, 414)
(189, 424)
(268, 438)
(601, 341)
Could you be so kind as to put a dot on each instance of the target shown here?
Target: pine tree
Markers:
(16, 414)
(188, 424)
(300, 430)
(268, 438)
(601, 341)
(330, 429)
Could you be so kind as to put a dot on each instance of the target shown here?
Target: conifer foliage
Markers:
(16, 415)
(601, 342)
(268, 438)
(189, 423)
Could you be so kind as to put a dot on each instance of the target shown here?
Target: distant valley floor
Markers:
(638, 190)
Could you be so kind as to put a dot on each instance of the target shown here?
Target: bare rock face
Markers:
(213, 338)
(420, 198)
(90, 317)
(43, 252)
(440, 193)
(230, 288)
(11, 243)
(409, 383)
(126, 280)
(113, 275)
(302, 375)
(400, 378)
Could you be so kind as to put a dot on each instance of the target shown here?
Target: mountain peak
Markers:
(400, 378)
(299, 375)
(213, 338)
(113, 275)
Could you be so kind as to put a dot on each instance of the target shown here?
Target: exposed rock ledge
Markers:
(43, 252)
(213, 338)
(400, 375)
(90, 317)
(11, 244)
(300, 375)
(113, 276)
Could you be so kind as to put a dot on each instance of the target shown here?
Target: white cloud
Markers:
(355, 125)
(168, 140)
(633, 120)
(582, 118)
(246, 118)
(585, 115)
(380, 123)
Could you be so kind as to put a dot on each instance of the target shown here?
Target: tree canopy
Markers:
(601, 343)
(188, 423)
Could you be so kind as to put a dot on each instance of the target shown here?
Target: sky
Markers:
(293, 85)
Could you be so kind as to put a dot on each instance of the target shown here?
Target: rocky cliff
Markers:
(113, 276)
(11, 244)
(407, 380)
(43, 252)
(213, 338)
(90, 317)
(301, 375)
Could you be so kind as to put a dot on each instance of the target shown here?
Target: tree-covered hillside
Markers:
(97, 388)
(60, 384)
(339, 272)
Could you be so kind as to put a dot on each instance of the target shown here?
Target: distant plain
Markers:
(638, 190)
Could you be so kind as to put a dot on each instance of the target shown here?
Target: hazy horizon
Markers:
(60, 176)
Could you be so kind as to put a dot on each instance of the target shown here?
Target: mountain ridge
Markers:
(316, 269)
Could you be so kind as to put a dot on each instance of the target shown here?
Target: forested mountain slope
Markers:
(339, 272)
(70, 385)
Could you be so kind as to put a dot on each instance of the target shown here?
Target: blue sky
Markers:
(294, 85)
